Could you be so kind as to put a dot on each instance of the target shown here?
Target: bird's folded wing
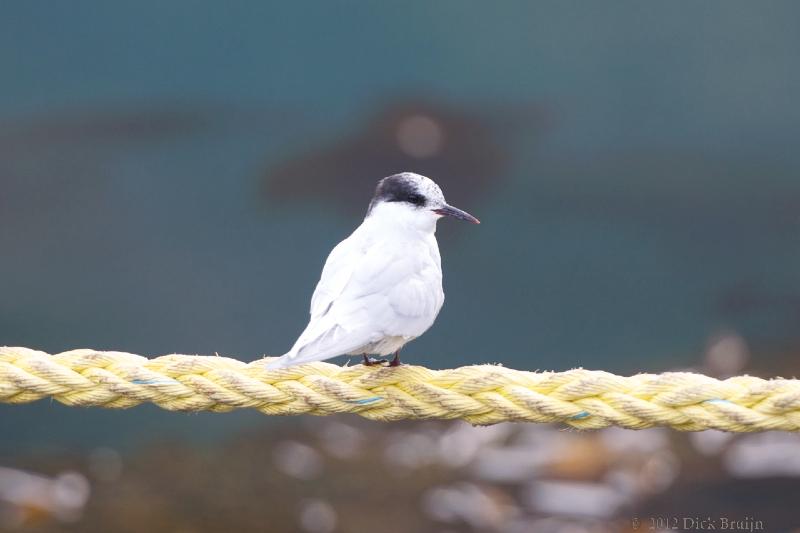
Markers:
(336, 273)
(352, 304)
(356, 269)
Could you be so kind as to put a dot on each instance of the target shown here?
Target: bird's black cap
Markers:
(397, 188)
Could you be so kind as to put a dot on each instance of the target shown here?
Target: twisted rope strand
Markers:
(480, 394)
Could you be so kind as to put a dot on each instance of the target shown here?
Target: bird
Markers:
(381, 287)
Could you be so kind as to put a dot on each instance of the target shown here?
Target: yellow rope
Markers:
(481, 394)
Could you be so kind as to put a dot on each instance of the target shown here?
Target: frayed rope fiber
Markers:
(480, 394)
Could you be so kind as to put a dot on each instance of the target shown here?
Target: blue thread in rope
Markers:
(366, 400)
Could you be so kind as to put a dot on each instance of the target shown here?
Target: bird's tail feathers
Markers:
(330, 343)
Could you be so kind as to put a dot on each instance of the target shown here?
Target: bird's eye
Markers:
(416, 199)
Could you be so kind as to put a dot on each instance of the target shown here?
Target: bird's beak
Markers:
(450, 211)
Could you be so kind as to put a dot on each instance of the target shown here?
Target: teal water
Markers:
(657, 206)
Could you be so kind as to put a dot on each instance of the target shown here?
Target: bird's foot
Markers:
(369, 361)
(395, 361)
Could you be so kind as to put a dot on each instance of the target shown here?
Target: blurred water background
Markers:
(173, 174)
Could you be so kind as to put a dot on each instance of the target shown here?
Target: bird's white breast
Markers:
(400, 280)
(418, 296)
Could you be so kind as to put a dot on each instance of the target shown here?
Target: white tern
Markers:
(381, 287)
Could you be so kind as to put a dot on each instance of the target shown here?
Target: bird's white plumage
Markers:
(381, 287)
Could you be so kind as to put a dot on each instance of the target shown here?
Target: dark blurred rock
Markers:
(131, 123)
(465, 150)
(749, 297)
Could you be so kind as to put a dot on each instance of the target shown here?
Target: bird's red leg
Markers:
(396, 360)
